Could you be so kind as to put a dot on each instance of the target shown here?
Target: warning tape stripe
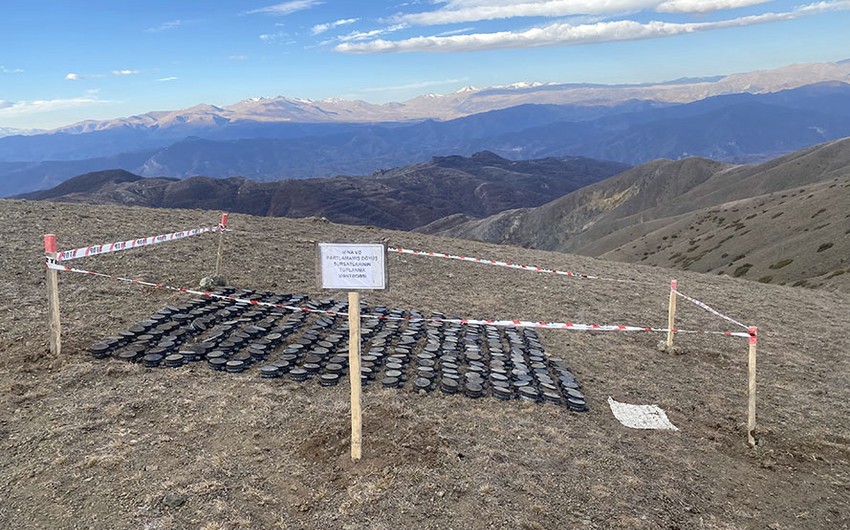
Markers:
(51, 264)
(710, 309)
(509, 265)
(117, 246)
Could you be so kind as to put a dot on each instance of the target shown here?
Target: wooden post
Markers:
(751, 388)
(354, 373)
(671, 313)
(221, 228)
(54, 325)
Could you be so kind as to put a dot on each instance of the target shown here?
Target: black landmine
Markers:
(399, 349)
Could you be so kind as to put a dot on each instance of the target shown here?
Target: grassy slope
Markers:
(799, 236)
(646, 213)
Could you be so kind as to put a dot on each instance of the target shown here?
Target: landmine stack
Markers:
(402, 349)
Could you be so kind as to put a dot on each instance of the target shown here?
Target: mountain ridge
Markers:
(642, 214)
(401, 198)
(739, 128)
(637, 208)
(470, 100)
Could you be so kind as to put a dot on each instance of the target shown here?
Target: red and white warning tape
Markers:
(53, 264)
(117, 246)
(709, 309)
(509, 265)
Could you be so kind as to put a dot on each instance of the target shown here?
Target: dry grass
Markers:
(806, 246)
(99, 444)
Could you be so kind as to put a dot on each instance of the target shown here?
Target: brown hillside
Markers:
(620, 217)
(88, 443)
(797, 237)
(567, 223)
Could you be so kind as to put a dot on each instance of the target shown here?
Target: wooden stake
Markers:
(354, 373)
(751, 388)
(221, 228)
(671, 313)
(54, 324)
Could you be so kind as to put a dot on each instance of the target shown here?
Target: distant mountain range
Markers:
(471, 100)
(742, 118)
(403, 198)
(784, 222)
(8, 131)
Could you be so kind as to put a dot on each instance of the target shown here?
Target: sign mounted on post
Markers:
(353, 266)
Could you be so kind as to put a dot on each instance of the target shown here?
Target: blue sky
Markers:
(70, 60)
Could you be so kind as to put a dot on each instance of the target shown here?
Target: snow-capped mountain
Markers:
(470, 100)
(8, 131)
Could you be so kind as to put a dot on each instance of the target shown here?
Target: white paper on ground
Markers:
(641, 416)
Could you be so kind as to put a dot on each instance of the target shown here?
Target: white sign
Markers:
(352, 266)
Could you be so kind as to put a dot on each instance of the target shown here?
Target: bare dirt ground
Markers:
(105, 444)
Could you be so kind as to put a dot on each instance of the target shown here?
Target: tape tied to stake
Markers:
(461, 321)
(708, 308)
(509, 265)
(117, 246)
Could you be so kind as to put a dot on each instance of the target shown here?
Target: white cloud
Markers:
(554, 34)
(172, 78)
(71, 76)
(285, 8)
(321, 28)
(566, 34)
(459, 11)
(23, 108)
(4, 70)
(278, 36)
(412, 86)
(165, 26)
(455, 32)
(364, 35)
(823, 7)
(126, 72)
(704, 6)
(238, 57)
